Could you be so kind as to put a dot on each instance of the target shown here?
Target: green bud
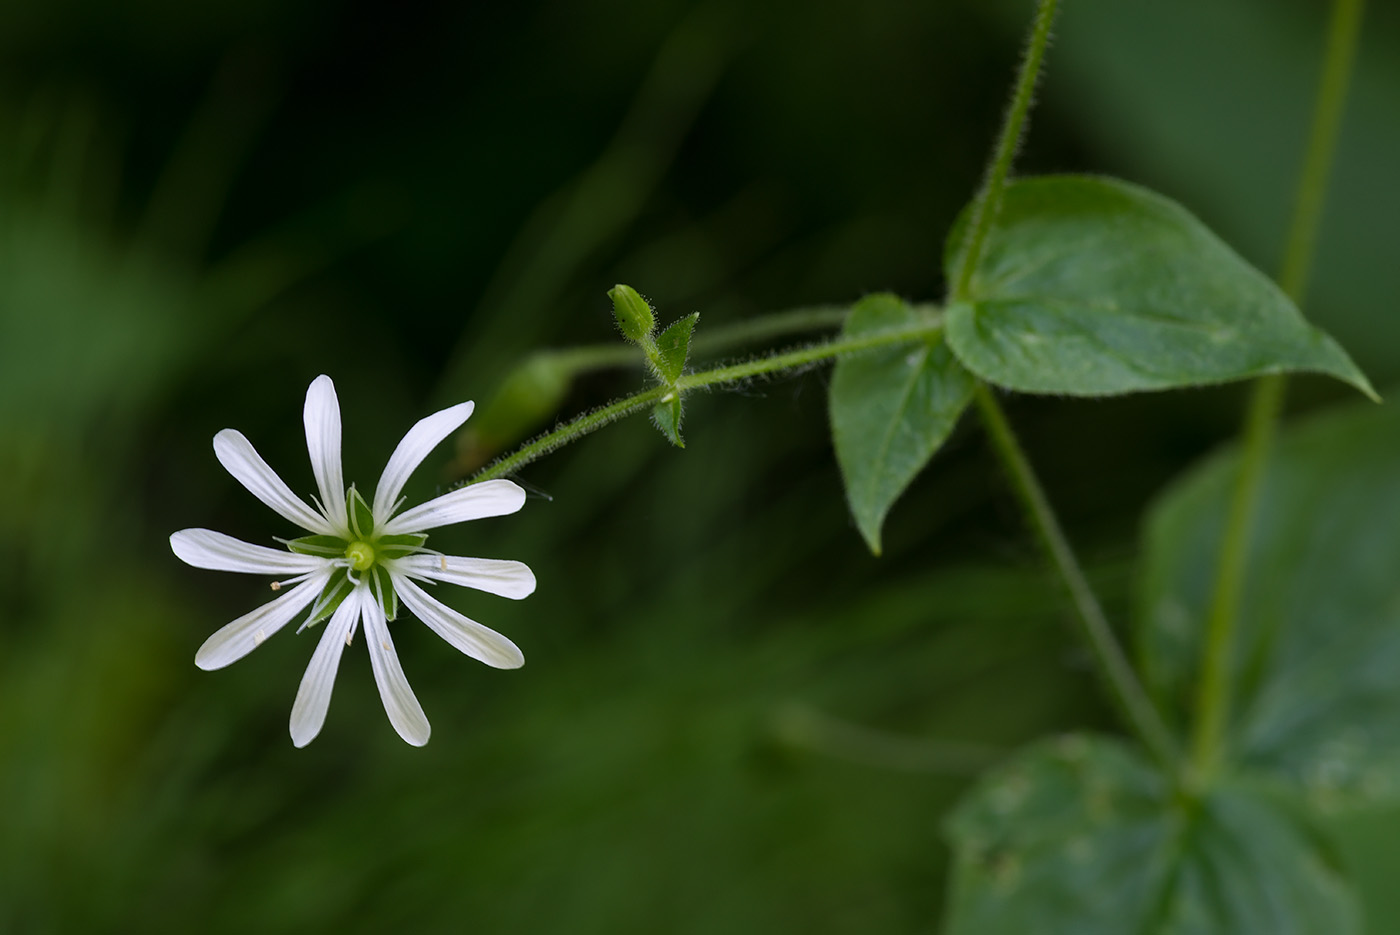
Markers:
(633, 313)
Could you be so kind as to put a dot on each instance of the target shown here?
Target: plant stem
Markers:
(1113, 664)
(1343, 30)
(590, 357)
(1266, 402)
(734, 373)
(984, 209)
(1124, 686)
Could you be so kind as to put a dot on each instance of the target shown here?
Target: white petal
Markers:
(475, 501)
(477, 641)
(240, 459)
(321, 416)
(205, 548)
(399, 702)
(494, 576)
(426, 435)
(314, 694)
(236, 640)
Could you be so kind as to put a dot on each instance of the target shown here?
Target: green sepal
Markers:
(634, 316)
(399, 546)
(361, 516)
(383, 589)
(323, 546)
(666, 416)
(337, 589)
(673, 347)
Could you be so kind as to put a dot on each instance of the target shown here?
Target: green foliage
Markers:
(632, 312)
(666, 416)
(1317, 650)
(1082, 835)
(1093, 287)
(891, 409)
(673, 347)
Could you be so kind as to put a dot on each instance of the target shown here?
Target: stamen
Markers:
(295, 579)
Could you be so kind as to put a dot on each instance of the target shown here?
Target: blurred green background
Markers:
(733, 719)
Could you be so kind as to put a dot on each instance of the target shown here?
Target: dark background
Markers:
(204, 205)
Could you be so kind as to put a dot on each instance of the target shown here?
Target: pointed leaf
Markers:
(666, 416)
(1317, 648)
(891, 409)
(673, 347)
(1092, 287)
(1082, 835)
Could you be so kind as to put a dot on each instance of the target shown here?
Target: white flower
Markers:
(358, 562)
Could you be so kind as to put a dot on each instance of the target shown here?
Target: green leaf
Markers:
(1093, 287)
(891, 409)
(666, 416)
(324, 546)
(1317, 648)
(673, 347)
(1082, 835)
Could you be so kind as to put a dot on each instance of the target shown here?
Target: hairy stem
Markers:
(1266, 402)
(1112, 662)
(984, 209)
(794, 359)
(1123, 684)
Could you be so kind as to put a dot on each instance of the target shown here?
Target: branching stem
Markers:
(1126, 690)
(794, 359)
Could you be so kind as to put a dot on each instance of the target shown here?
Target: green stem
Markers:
(1125, 688)
(984, 209)
(734, 373)
(1113, 664)
(1266, 402)
(574, 361)
(1213, 691)
(810, 729)
(1343, 30)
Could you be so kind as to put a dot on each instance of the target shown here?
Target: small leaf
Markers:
(673, 347)
(1317, 649)
(324, 546)
(1082, 835)
(891, 409)
(633, 314)
(1092, 287)
(666, 416)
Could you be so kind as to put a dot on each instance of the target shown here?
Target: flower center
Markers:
(361, 555)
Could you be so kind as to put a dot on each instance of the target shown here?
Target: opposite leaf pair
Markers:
(1085, 287)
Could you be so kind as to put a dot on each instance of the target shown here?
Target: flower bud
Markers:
(633, 313)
